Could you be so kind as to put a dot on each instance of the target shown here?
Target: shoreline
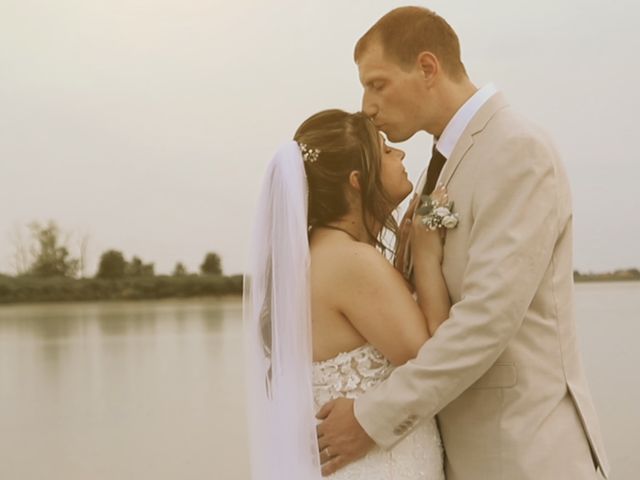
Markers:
(158, 288)
(33, 290)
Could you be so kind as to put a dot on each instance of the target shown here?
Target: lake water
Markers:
(154, 390)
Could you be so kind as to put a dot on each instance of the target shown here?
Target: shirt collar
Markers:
(452, 132)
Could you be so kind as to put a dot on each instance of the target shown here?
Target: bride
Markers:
(326, 313)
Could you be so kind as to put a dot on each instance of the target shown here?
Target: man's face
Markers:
(393, 97)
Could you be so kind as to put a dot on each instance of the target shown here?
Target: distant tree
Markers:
(112, 265)
(179, 270)
(83, 247)
(51, 258)
(136, 268)
(21, 259)
(212, 264)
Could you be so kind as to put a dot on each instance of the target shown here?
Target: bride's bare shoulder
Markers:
(350, 260)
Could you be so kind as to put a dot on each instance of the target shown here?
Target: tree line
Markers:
(47, 271)
(48, 256)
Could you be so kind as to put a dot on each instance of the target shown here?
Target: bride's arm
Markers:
(431, 289)
(373, 296)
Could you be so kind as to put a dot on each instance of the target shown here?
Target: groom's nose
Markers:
(368, 107)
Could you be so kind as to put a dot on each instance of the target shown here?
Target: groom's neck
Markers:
(452, 96)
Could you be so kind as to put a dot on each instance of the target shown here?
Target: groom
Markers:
(502, 373)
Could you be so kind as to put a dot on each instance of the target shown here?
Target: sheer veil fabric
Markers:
(276, 311)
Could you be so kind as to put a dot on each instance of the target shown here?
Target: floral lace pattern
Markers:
(349, 374)
(416, 457)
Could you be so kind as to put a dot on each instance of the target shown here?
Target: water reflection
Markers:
(49, 322)
(122, 390)
(137, 390)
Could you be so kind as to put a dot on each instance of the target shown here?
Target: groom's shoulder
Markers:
(510, 124)
(511, 131)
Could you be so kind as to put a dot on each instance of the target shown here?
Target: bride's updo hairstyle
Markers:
(340, 143)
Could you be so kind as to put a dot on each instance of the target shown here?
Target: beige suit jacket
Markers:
(503, 372)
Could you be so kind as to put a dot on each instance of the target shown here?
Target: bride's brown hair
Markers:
(346, 142)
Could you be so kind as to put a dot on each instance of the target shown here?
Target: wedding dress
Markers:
(285, 388)
(416, 457)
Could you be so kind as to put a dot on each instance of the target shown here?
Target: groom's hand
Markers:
(341, 439)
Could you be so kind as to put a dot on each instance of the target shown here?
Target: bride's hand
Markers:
(440, 195)
(427, 244)
(404, 234)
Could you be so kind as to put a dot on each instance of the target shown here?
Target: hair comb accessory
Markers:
(309, 154)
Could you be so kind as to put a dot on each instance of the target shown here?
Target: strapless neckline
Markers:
(348, 354)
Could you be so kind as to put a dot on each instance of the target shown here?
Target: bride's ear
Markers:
(354, 180)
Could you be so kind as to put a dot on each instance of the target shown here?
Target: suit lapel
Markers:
(477, 124)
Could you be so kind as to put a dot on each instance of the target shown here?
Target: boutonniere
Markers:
(436, 210)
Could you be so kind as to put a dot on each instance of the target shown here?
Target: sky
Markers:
(145, 125)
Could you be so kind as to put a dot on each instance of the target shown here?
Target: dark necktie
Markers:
(433, 171)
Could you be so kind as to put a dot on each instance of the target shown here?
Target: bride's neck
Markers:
(354, 224)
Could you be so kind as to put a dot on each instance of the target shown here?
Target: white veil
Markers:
(277, 317)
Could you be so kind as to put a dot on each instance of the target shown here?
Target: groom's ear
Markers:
(354, 180)
(429, 66)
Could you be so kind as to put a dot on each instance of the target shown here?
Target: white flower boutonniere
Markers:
(436, 211)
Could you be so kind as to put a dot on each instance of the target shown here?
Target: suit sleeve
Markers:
(515, 226)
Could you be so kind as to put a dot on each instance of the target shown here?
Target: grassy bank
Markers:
(632, 274)
(33, 289)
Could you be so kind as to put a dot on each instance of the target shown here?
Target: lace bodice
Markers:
(349, 374)
(417, 457)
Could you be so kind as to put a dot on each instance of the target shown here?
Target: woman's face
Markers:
(394, 177)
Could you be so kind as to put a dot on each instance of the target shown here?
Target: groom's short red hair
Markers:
(405, 32)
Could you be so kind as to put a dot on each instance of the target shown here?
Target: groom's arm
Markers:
(515, 226)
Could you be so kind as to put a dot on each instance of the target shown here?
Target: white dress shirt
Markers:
(452, 132)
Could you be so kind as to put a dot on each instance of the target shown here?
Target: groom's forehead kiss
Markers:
(410, 70)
